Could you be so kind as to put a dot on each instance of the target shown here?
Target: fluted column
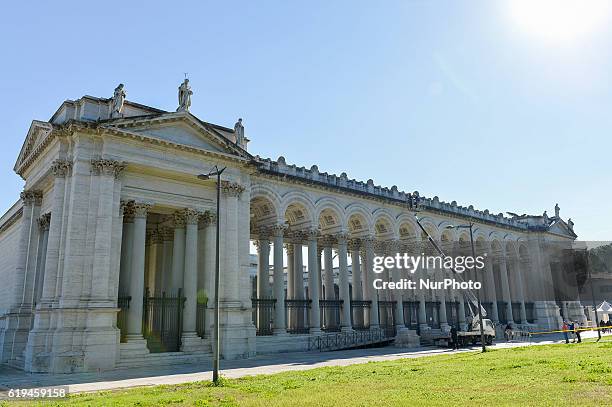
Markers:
(210, 247)
(190, 275)
(354, 246)
(343, 280)
(127, 240)
(178, 253)
(134, 317)
(520, 267)
(372, 292)
(25, 270)
(490, 287)
(263, 276)
(279, 282)
(167, 237)
(313, 282)
(503, 276)
(43, 225)
(397, 294)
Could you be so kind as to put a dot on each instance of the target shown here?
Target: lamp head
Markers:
(204, 176)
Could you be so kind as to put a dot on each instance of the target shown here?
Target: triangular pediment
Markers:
(559, 227)
(181, 129)
(36, 134)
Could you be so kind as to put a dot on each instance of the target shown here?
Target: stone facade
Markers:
(112, 211)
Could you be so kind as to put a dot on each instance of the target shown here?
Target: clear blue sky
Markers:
(467, 100)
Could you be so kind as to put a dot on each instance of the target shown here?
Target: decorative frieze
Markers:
(31, 197)
(107, 167)
(61, 168)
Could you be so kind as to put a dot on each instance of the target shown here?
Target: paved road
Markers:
(265, 364)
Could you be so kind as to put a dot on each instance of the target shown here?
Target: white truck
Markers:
(469, 337)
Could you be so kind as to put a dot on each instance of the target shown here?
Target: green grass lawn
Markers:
(576, 374)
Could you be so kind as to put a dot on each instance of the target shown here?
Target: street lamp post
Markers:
(482, 335)
(216, 172)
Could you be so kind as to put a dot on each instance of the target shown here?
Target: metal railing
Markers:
(360, 314)
(162, 322)
(386, 316)
(201, 319)
(123, 303)
(263, 314)
(297, 314)
(346, 340)
(330, 315)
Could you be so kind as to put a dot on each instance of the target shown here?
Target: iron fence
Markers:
(123, 303)
(411, 314)
(162, 322)
(386, 316)
(330, 314)
(263, 314)
(359, 315)
(201, 319)
(297, 316)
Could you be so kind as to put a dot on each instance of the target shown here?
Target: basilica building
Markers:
(108, 259)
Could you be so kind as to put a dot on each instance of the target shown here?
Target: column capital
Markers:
(289, 248)
(232, 189)
(263, 233)
(191, 216)
(141, 209)
(259, 244)
(311, 234)
(295, 236)
(178, 219)
(31, 197)
(278, 230)
(61, 168)
(44, 221)
(107, 167)
(342, 238)
(354, 245)
(327, 241)
(127, 209)
(208, 218)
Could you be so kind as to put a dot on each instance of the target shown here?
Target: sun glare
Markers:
(560, 20)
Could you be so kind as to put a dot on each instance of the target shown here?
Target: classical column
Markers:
(263, 270)
(190, 275)
(397, 294)
(25, 270)
(279, 281)
(503, 277)
(134, 317)
(441, 294)
(167, 245)
(298, 268)
(107, 171)
(313, 281)
(422, 314)
(345, 316)
(210, 247)
(357, 288)
(328, 279)
(368, 273)
(127, 239)
(291, 315)
(157, 259)
(263, 276)
(178, 253)
(520, 267)
(489, 283)
(43, 225)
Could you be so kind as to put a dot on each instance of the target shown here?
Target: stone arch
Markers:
(358, 219)
(430, 227)
(264, 207)
(406, 227)
(298, 210)
(329, 215)
(384, 225)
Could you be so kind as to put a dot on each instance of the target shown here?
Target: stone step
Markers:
(168, 358)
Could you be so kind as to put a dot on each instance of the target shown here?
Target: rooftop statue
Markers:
(184, 96)
(239, 132)
(117, 101)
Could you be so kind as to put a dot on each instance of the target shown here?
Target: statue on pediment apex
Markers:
(117, 101)
(184, 96)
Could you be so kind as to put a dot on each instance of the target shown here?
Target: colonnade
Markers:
(502, 279)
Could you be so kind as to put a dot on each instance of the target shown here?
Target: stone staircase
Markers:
(130, 357)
